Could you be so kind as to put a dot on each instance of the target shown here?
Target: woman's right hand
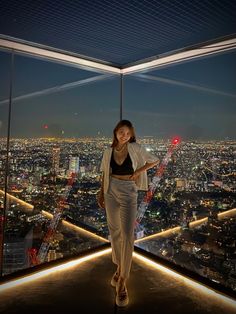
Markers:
(100, 200)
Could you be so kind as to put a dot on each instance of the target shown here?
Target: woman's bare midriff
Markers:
(122, 177)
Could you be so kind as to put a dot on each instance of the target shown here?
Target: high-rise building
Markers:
(55, 160)
(74, 164)
(180, 184)
(16, 246)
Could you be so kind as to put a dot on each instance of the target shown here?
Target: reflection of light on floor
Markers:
(165, 233)
(17, 200)
(43, 273)
(48, 215)
(198, 222)
(226, 214)
(76, 228)
(190, 282)
(147, 262)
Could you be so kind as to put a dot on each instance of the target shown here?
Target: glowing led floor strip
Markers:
(146, 261)
(28, 278)
(186, 280)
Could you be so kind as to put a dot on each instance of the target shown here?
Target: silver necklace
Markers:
(121, 149)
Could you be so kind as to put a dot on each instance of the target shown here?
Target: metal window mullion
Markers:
(121, 95)
(7, 163)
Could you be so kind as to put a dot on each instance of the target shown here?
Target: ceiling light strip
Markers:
(41, 52)
(221, 46)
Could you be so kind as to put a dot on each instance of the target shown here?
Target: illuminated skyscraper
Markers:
(17, 243)
(180, 184)
(55, 160)
(74, 164)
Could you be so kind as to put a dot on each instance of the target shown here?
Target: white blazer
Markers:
(139, 157)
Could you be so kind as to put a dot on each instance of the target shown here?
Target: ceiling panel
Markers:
(118, 32)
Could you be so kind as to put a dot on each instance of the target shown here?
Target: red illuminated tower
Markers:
(155, 181)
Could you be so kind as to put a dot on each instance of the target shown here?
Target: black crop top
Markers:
(123, 169)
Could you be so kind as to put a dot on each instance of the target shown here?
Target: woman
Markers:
(124, 167)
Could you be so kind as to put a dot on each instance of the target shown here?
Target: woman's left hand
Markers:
(135, 175)
(147, 166)
(153, 164)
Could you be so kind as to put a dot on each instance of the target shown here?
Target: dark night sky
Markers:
(195, 100)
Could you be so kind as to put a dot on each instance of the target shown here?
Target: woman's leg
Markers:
(114, 226)
(128, 212)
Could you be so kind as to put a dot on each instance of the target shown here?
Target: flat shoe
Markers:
(114, 279)
(122, 298)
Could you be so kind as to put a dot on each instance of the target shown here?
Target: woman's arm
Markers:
(147, 166)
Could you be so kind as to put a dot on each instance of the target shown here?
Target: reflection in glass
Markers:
(191, 217)
(60, 121)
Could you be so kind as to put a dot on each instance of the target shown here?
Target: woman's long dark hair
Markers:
(120, 125)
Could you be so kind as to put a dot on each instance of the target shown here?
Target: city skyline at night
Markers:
(196, 195)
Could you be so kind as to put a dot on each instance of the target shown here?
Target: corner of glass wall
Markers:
(61, 121)
(5, 61)
(190, 218)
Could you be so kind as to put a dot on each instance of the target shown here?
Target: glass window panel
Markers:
(61, 122)
(191, 217)
(5, 63)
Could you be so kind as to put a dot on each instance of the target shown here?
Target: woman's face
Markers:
(123, 135)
